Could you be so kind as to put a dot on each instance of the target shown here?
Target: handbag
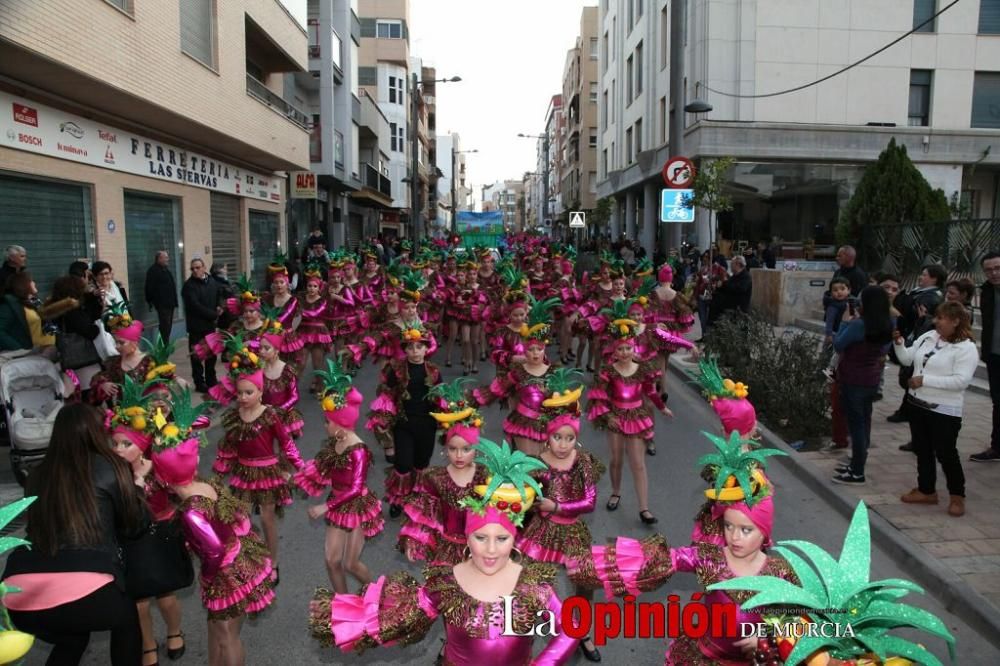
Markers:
(104, 342)
(75, 351)
(157, 562)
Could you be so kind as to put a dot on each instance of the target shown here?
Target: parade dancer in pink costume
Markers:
(467, 596)
(617, 404)
(353, 513)
(668, 310)
(312, 329)
(342, 312)
(131, 360)
(569, 480)
(282, 306)
(258, 474)
(506, 343)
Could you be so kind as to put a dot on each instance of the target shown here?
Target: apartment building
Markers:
(578, 159)
(800, 155)
(428, 173)
(549, 163)
(384, 74)
(506, 196)
(452, 188)
(108, 153)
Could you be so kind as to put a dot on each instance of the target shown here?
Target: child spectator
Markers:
(836, 305)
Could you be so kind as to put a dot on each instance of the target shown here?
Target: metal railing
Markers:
(262, 93)
(377, 181)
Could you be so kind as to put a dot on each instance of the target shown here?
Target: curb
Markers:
(956, 595)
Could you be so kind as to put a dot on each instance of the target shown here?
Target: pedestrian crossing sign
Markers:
(577, 220)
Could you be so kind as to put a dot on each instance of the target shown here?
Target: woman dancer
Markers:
(617, 404)
(600, 292)
(248, 327)
(506, 344)
(257, 473)
(131, 360)
(342, 312)
(383, 341)
(353, 514)
(570, 482)
(312, 328)
(669, 310)
(468, 596)
(401, 415)
(524, 382)
(433, 526)
(627, 566)
(236, 574)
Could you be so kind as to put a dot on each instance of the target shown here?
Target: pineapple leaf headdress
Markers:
(245, 289)
(539, 318)
(132, 406)
(117, 316)
(272, 326)
(840, 591)
(396, 271)
(565, 386)
(413, 283)
(643, 268)
(738, 471)
(510, 488)
(456, 408)
(513, 278)
(336, 383)
(243, 360)
(314, 269)
(7, 514)
(160, 352)
(607, 258)
(712, 384)
(415, 333)
(183, 416)
(620, 324)
(279, 264)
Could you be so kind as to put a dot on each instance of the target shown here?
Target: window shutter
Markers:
(367, 27)
(150, 226)
(367, 76)
(226, 231)
(986, 100)
(197, 30)
(989, 17)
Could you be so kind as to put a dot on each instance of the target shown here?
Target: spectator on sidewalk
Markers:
(15, 261)
(734, 293)
(862, 342)
(202, 307)
(989, 294)
(944, 361)
(840, 300)
(20, 323)
(962, 291)
(161, 293)
(220, 274)
(109, 290)
(847, 268)
(767, 254)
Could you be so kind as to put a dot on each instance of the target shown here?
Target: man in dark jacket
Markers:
(847, 257)
(15, 261)
(202, 306)
(161, 292)
(991, 348)
(734, 293)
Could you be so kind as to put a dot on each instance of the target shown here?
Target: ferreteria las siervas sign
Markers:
(36, 128)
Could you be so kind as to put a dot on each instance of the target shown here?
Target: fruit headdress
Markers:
(175, 444)
(562, 407)
(413, 283)
(737, 471)
(243, 362)
(840, 591)
(620, 325)
(337, 396)
(130, 414)
(278, 266)
(539, 319)
(118, 321)
(272, 326)
(517, 284)
(14, 644)
(396, 271)
(248, 298)
(160, 352)
(415, 333)
(509, 490)
(314, 271)
(728, 398)
(644, 292)
(458, 416)
(644, 268)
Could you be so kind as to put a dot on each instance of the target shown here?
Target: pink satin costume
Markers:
(349, 503)
(528, 392)
(625, 399)
(433, 527)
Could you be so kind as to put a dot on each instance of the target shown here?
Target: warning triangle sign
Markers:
(577, 220)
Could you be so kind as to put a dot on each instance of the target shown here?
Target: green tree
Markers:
(601, 214)
(892, 190)
(709, 182)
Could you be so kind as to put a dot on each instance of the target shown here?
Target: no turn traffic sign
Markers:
(678, 172)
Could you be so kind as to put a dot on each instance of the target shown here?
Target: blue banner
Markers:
(490, 222)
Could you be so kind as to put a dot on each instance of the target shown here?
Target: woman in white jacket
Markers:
(944, 361)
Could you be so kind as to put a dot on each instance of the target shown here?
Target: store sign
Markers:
(40, 129)
(303, 184)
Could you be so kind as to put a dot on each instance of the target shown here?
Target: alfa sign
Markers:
(303, 184)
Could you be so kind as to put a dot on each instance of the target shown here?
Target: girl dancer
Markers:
(236, 574)
(506, 343)
(670, 311)
(465, 308)
(467, 596)
(384, 341)
(371, 278)
(598, 296)
(570, 483)
(281, 306)
(249, 326)
(131, 361)
(433, 527)
(401, 415)
(312, 328)
(342, 312)
(257, 473)
(524, 382)
(617, 404)
(628, 566)
(353, 514)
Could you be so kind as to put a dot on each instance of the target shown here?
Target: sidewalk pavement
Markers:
(959, 558)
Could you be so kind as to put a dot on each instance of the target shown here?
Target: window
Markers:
(631, 14)
(593, 48)
(685, 26)
(392, 138)
(604, 51)
(338, 148)
(920, 97)
(638, 8)
(989, 17)
(986, 99)
(604, 110)
(124, 5)
(629, 72)
(198, 30)
(593, 137)
(593, 182)
(638, 69)
(664, 36)
(604, 162)
(614, 100)
(593, 92)
(923, 10)
(614, 156)
(389, 29)
(628, 146)
(663, 119)
(392, 89)
(396, 90)
(638, 136)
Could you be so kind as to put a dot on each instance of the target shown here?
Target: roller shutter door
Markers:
(51, 220)
(263, 243)
(355, 231)
(151, 225)
(226, 232)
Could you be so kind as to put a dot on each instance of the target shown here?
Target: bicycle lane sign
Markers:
(675, 206)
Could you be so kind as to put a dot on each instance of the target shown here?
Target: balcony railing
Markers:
(262, 93)
(377, 181)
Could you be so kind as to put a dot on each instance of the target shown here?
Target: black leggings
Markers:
(68, 627)
(935, 436)
(414, 442)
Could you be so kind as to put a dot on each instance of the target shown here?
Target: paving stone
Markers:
(943, 549)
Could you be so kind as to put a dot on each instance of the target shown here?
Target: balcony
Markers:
(373, 123)
(264, 95)
(376, 188)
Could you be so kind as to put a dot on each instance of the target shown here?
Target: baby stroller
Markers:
(32, 391)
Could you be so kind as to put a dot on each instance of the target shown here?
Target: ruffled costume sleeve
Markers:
(626, 566)
(650, 389)
(293, 388)
(205, 540)
(211, 345)
(389, 611)
(361, 459)
(598, 401)
(384, 411)
(286, 442)
(501, 387)
(423, 521)
(311, 479)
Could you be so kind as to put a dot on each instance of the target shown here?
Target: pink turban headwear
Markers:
(347, 415)
(736, 414)
(492, 515)
(132, 332)
(469, 433)
(760, 514)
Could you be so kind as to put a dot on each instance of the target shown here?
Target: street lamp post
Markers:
(454, 203)
(545, 172)
(415, 217)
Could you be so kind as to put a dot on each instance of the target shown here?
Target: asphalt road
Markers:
(281, 636)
